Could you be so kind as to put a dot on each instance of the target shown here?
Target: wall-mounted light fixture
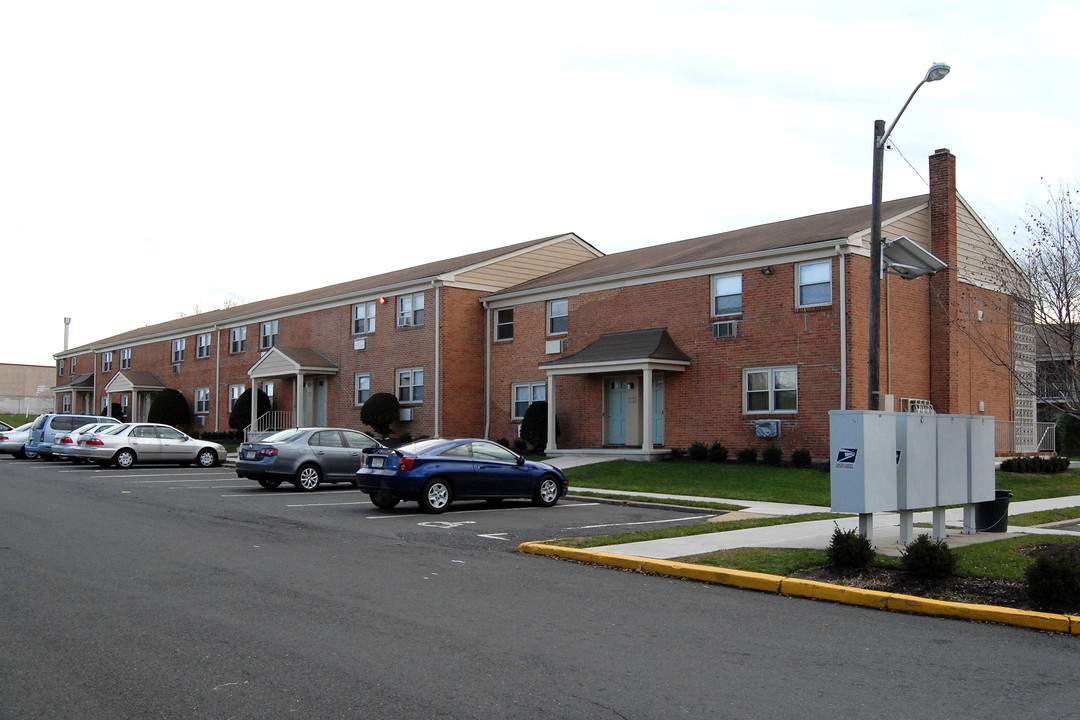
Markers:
(767, 270)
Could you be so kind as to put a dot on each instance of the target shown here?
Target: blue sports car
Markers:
(437, 471)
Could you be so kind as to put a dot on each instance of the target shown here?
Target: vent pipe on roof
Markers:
(67, 326)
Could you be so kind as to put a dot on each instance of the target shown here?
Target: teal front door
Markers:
(616, 411)
(658, 409)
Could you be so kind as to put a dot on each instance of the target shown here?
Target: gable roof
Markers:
(632, 346)
(835, 225)
(240, 313)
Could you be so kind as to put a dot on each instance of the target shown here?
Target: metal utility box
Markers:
(862, 458)
(916, 460)
(952, 459)
(981, 478)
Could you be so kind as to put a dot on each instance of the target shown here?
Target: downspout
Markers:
(217, 377)
(843, 330)
(487, 370)
(438, 347)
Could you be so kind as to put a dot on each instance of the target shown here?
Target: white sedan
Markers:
(132, 443)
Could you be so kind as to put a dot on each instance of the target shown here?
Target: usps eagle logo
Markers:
(845, 457)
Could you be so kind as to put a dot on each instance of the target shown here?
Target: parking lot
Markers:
(218, 491)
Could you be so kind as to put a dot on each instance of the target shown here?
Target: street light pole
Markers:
(881, 136)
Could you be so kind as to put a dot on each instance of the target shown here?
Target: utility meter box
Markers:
(862, 456)
(916, 461)
(952, 459)
(981, 478)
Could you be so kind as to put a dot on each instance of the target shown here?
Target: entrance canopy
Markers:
(644, 351)
(282, 362)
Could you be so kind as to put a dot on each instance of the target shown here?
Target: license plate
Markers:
(376, 462)
(249, 454)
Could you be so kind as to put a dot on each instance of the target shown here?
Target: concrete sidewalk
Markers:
(818, 533)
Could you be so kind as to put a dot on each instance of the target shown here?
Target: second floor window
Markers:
(558, 317)
(727, 295)
(815, 283)
(504, 324)
(268, 335)
(106, 361)
(202, 345)
(411, 310)
(125, 358)
(238, 340)
(178, 348)
(363, 318)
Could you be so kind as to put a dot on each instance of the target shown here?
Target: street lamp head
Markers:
(936, 72)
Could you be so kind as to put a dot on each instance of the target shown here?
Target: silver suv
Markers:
(47, 427)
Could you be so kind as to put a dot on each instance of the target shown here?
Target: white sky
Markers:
(158, 157)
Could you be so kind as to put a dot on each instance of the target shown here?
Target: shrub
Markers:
(379, 412)
(520, 446)
(240, 417)
(1036, 464)
(718, 453)
(116, 410)
(405, 438)
(748, 456)
(928, 558)
(504, 442)
(698, 451)
(677, 453)
(849, 548)
(772, 455)
(1054, 580)
(534, 429)
(169, 407)
(801, 458)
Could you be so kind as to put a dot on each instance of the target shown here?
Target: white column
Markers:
(646, 410)
(551, 441)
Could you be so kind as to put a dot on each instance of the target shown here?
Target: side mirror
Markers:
(520, 460)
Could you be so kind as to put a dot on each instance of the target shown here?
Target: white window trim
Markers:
(368, 310)
(238, 337)
(532, 386)
(179, 350)
(106, 361)
(407, 318)
(495, 319)
(125, 359)
(268, 334)
(799, 286)
(412, 385)
(202, 350)
(551, 317)
(771, 410)
(733, 313)
(356, 388)
(202, 395)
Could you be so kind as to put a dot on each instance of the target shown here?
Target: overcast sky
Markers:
(158, 157)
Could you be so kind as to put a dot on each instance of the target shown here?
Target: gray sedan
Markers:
(305, 457)
(132, 443)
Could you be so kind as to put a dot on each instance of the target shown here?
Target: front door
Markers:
(658, 409)
(616, 411)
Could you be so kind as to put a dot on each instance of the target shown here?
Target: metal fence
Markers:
(1024, 437)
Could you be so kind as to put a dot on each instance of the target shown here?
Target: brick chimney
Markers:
(944, 287)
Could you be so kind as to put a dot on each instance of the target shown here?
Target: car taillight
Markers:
(405, 464)
(94, 441)
(4, 437)
(268, 452)
(66, 440)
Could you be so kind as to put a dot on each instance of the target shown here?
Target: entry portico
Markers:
(310, 371)
(632, 366)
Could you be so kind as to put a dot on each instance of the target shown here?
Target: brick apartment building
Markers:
(747, 337)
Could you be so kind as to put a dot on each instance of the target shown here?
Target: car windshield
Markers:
(283, 436)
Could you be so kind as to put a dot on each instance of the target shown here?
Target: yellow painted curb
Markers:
(799, 587)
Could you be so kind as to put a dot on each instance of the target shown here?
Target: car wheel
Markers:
(124, 459)
(547, 491)
(383, 500)
(206, 458)
(308, 478)
(436, 496)
(28, 454)
(269, 484)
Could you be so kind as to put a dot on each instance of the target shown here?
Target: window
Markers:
(504, 324)
(727, 295)
(235, 391)
(60, 366)
(202, 345)
(558, 316)
(815, 283)
(771, 389)
(363, 318)
(125, 358)
(65, 404)
(268, 388)
(73, 361)
(410, 385)
(363, 388)
(178, 347)
(410, 310)
(238, 340)
(202, 400)
(526, 394)
(106, 362)
(125, 403)
(268, 335)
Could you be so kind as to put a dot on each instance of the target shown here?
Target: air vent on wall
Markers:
(553, 347)
(725, 329)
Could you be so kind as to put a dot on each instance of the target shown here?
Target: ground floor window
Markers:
(363, 388)
(410, 385)
(524, 394)
(235, 391)
(202, 400)
(771, 389)
(65, 404)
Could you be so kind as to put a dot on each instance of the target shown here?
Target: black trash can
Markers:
(993, 515)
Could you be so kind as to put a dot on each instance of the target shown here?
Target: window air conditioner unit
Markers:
(725, 329)
(200, 420)
(767, 428)
(405, 414)
(359, 343)
(404, 321)
(175, 369)
(553, 347)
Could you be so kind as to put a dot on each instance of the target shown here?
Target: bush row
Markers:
(1046, 465)
(772, 455)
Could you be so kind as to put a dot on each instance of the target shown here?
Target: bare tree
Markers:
(230, 300)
